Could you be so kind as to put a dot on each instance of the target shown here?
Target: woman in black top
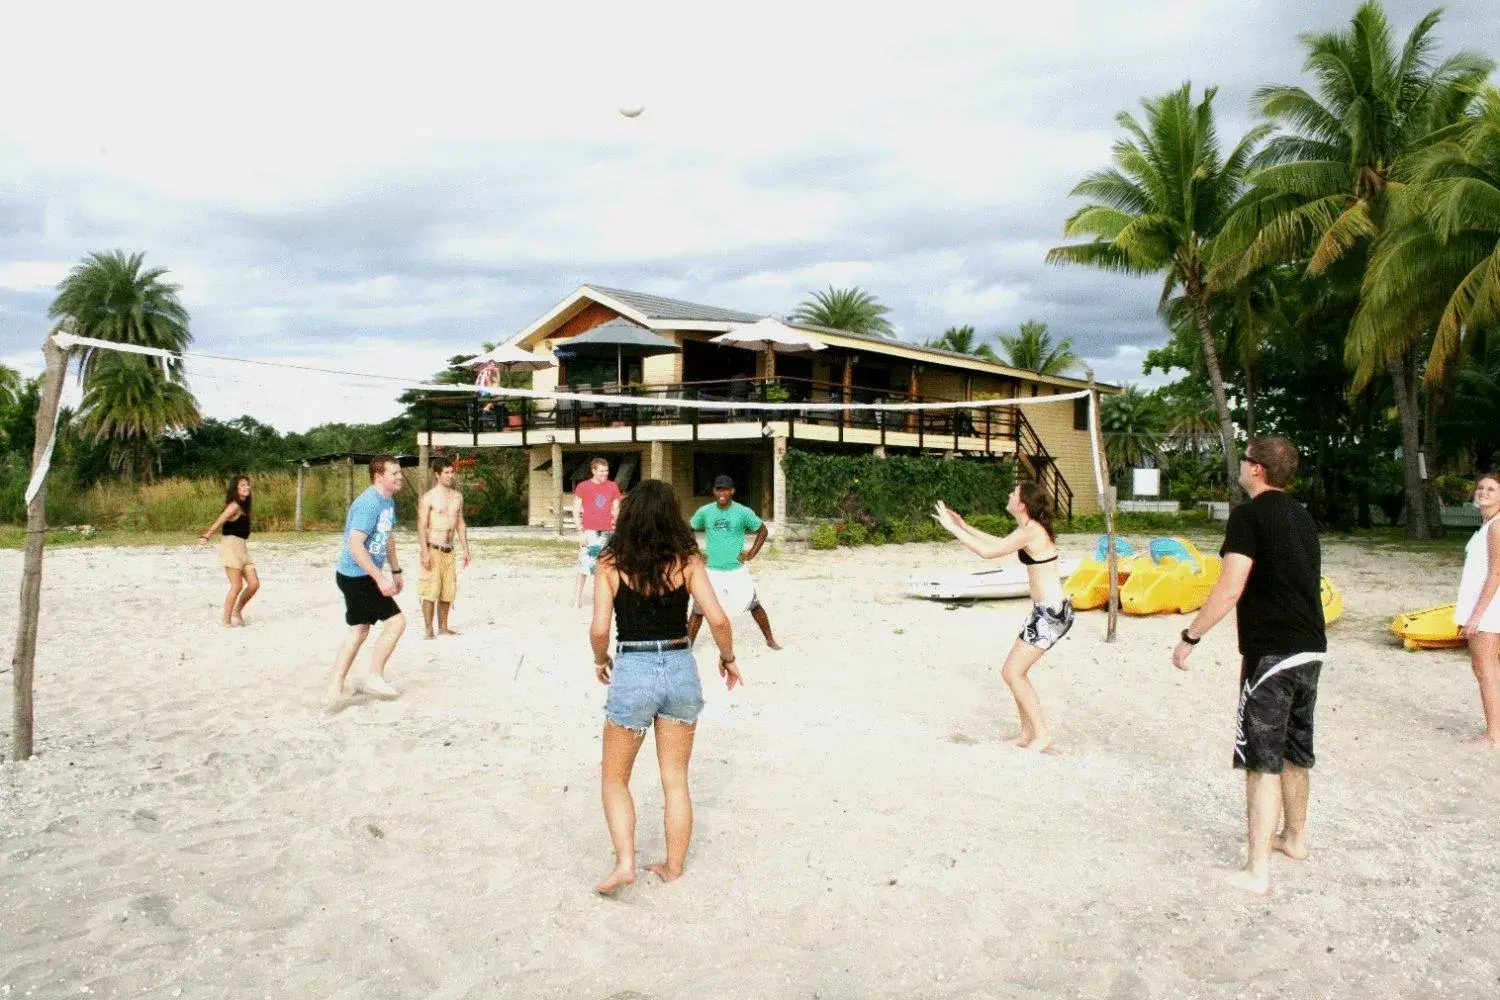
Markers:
(643, 580)
(234, 552)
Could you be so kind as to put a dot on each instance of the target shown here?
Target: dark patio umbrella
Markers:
(617, 339)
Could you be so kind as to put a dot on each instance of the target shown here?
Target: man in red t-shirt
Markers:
(596, 503)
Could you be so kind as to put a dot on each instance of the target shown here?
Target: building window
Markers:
(1081, 413)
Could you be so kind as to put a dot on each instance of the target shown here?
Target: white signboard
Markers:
(1145, 482)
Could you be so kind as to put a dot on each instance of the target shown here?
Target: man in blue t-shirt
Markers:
(725, 524)
(368, 547)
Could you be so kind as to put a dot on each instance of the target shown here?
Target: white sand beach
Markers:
(196, 825)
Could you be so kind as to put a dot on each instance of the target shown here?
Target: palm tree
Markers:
(1031, 348)
(852, 310)
(130, 404)
(960, 340)
(1132, 423)
(10, 386)
(1328, 188)
(1160, 210)
(111, 296)
(1440, 266)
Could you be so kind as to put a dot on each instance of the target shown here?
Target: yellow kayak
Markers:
(1333, 603)
(1428, 628)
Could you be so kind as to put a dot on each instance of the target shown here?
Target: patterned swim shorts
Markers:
(588, 553)
(1047, 625)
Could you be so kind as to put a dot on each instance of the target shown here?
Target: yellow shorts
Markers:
(234, 554)
(439, 582)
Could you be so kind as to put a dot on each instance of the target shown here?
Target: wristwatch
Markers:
(1189, 639)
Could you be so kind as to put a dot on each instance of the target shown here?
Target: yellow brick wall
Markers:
(1053, 423)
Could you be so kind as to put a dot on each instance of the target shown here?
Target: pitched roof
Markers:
(661, 307)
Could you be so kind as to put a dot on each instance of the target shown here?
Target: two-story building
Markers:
(688, 447)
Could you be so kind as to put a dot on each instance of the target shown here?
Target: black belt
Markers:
(650, 645)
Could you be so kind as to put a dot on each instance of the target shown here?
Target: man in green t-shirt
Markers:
(725, 524)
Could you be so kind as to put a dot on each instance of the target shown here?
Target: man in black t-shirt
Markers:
(1271, 576)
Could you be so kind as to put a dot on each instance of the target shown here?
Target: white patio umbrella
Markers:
(772, 336)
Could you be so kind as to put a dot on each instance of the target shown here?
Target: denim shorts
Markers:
(650, 684)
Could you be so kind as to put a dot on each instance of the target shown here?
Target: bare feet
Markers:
(1039, 742)
(1242, 878)
(618, 878)
(666, 874)
(773, 644)
(1026, 737)
(380, 687)
(335, 692)
(1293, 847)
(430, 634)
(238, 621)
(1486, 741)
(445, 630)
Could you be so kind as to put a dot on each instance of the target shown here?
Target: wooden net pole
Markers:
(1107, 505)
(23, 662)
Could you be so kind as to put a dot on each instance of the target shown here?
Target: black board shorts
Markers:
(364, 604)
(1274, 724)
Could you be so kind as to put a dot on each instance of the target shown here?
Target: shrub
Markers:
(998, 525)
(823, 536)
(1142, 521)
(872, 489)
(900, 532)
(875, 537)
(854, 533)
(1455, 491)
(928, 531)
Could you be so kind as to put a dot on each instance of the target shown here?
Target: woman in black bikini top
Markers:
(1051, 612)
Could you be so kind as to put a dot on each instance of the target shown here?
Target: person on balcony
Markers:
(596, 504)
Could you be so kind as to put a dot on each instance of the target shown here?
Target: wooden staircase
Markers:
(1035, 463)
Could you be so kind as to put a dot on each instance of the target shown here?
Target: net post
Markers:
(1106, 493)
(301, 475)
(23, 661)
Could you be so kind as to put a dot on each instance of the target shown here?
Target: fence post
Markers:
(301, 472)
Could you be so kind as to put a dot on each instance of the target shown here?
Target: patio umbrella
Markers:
(773, 337)
(617, 339)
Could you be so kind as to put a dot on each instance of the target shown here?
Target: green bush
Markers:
(900, 532)
(876, 537)
(1455, 490)
(928, 531)
(854, 533)
(823, 536)
(1142, 521)
(867, 488)
(999, 525)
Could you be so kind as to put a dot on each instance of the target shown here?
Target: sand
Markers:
(195, 824)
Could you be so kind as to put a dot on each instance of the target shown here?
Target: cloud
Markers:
(388, 191)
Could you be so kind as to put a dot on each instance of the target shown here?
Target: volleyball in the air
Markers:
(632, 110)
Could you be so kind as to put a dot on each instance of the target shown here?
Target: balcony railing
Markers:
(957, 429)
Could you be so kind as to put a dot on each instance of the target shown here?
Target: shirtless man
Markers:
(440, 521)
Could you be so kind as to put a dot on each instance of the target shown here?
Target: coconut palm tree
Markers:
(1439, 268)
(128, 399)
(128, 403)
(853, 310)
(111, 297)
(1133, 424)
(960, 340)
(1326, 190)
(1031, 348)
(1161, 209)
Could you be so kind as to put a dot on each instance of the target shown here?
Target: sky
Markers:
(337, 187)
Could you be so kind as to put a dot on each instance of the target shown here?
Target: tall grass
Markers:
(192, 504)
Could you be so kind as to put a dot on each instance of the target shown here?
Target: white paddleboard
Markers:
(988, 584)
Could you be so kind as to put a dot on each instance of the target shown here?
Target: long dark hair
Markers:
(652, 538)
(1038, 504)
(232, 494)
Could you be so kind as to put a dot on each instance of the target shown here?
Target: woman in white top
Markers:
(1035, 545)
(1478, 612)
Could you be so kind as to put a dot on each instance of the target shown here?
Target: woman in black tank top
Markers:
(644, 578)
(234, 553)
